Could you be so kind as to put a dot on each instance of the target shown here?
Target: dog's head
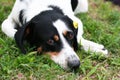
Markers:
(56, 38)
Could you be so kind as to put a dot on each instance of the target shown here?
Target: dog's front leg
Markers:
(8, 27)
(93, 47)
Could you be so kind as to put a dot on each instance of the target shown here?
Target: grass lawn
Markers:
(101, 24)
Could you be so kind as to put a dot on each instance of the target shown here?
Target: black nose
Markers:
(74, 64)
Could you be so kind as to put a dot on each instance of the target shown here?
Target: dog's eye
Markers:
(50, 42)
(70, 35)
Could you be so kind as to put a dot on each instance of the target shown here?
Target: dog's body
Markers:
(50, 26)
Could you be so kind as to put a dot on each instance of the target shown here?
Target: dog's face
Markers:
(56, 38)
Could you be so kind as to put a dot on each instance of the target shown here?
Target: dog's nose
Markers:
(74, 64)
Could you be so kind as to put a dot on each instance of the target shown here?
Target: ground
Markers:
(101, 25)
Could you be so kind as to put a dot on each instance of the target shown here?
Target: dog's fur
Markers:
(51, 27)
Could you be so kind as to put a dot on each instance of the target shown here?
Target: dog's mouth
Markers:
(67, 59)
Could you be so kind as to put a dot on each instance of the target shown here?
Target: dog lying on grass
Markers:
(52, 27)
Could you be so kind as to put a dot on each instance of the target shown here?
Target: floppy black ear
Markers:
(21, 35)
(75, 44)
(75, 30)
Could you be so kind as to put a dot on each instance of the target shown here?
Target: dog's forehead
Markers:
(46, 30)
(61, 26)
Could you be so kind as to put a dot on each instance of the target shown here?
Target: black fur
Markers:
(21, 16)
(42, 31)
(74, 4)
(20, 37)
(57, 9)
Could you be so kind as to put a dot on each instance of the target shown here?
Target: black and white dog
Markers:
(52, 27)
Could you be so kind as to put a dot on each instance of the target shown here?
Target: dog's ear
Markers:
(75, 30)
(21, 35)
(75, 44)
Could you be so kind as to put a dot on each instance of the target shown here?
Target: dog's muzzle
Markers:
(67, 59)
(73, 63)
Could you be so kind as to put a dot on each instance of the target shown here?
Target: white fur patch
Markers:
(82, 6)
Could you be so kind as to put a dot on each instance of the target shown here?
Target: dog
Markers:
(51, 27)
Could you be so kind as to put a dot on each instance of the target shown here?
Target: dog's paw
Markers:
(8, 28)
(94, 47)
(99, 49)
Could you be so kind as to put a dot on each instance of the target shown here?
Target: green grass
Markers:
(101, 24)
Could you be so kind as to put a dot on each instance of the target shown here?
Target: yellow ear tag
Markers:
(75, 24)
